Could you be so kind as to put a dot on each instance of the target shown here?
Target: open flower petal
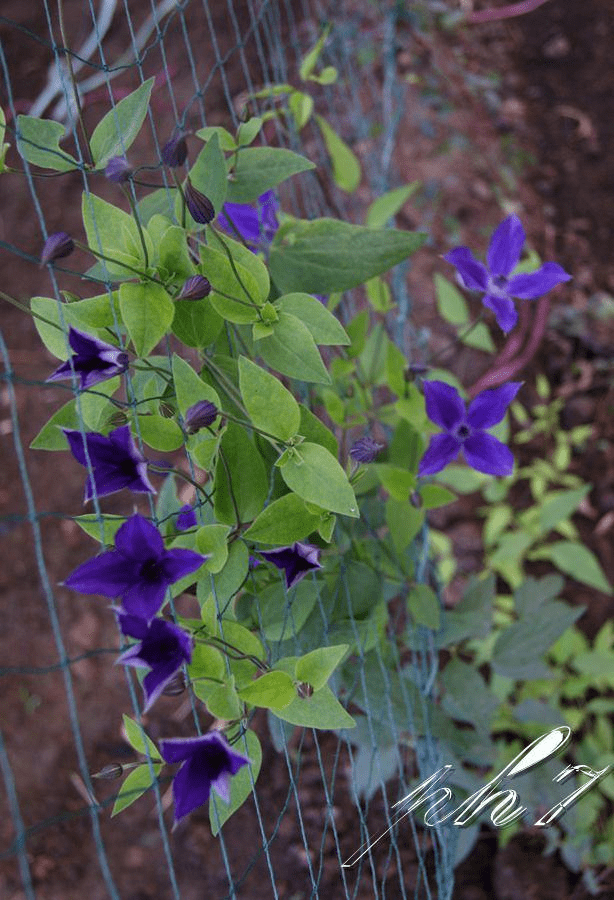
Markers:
(473, 273)
(506, 246)
(106, 574)
(444, 405)
(489, 407)
(504, 310)
(486, 454)
(535, 284)
(442, 449)
(139, 539)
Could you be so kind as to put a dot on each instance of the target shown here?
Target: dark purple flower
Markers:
(502, 257)
(200, 416)
(200, 207)
(186, 518)
(118, 169)
(175, 152)
(115, 461)
(296, 561)
(92, 361)
(56, 246)
(464, 429)
(195, 288)
(365, 450)
(139, 570)
(257, 227)
(208, 762)
(162, 647)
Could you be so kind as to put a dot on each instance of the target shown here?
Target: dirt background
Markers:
(539, 135)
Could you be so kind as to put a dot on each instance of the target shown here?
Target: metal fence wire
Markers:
(309, 810)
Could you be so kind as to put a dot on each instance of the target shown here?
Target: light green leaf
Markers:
(378, 294)
(292, 351)
(135, 784)
(301, 107)
(324, 327)
(434, 495)
(230, 579)
(95, 409)
(138, 739)
(208, 175)
(316, 476)
(328, 75)
(309, 61)
(147, 312)
(326, 255)
(270, 406)
(321, 710)
(240, 462)
(559, 505)
(247, 131)
(231, 281)
(424, 606)
(113, 232)
(316, 667)
(38, 141)
(316, 432)
(346, 168)
(273, 690)
(388, 205)
(211, 542)
(227, 142)
(577, 561)
(281, 614)
(258, 169)
(54, 335)
(451, 304)
(116, 132)
(479, 337)
(90, 523)
(240, 254)
(189, 386)
(173, 254)
(240, 784)
(283, 522)
(160, 433)
(196, 322)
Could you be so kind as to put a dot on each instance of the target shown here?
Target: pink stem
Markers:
(504, 12)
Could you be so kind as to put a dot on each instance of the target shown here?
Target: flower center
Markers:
(151, 570)
(463, 431)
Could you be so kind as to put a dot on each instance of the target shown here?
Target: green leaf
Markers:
(451, 304)
(577, 561)
(324, 327)
(240, 784)
(116, 132)
(173, 254)
(113, 232)
(316, 667)
(273, 690)
(479, 337)
(38, 142)
(138, 740)
(196, 322)
(309, 61)
(316, 476)
(3, 147)
(227, 142)
(283, 522)
(326, 255)
(301, 107)
(147, 312)
(316, 432)
(135, 784)
(94, 410)
(239, 473)
(467, 697)
(346, 168)
(424, 606)
(208, 175)
(434, 495)
(90, 523)
(404, 522)
(247, 131)
(321, 710)
(378, 295)
(222, 700)
(519, 649)
(211, 541)
(292, 351)
(55, 336)
(258, 169)
(328, 75)
(160, 433)
(245, 642)
(240, 254)
(559, 505)
(234, 281)
(270, 406)
(389, 204)
(472, 616)
(189, 386)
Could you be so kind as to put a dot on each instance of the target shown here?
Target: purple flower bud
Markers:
(365, 450)
(118, 169)
(200, 207)
(200, 415)
(56, 246)
(175, 152)
(195, 288)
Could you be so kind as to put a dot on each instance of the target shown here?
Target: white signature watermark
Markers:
(506, 809)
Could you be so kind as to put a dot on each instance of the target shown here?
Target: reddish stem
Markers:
(504, 12)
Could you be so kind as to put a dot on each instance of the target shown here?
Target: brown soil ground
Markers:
(470, 141)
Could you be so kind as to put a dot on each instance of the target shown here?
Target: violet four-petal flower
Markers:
(162, 647)
(496, 281)
(208, 762)
(116, 461)
(295, 561)
(258, 226)
(92, 360)
(464, 429)
(139, 570)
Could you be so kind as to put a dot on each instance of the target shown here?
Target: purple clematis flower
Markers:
(295, 561)
(162, 647)
(92, 361)
(257, 227)
(118, 169)
(464, 429)
(138, 570)
(502, 257)
(115, 460)
(365, 449)
(186, 518)
(208, 762)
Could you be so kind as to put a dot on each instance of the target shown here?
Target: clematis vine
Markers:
(115, 460)
(208, 762)
(257, 227)
(496, 280)
(162, 648)
(464, 429)
(92, 361)
(295, 561)
(138, 571)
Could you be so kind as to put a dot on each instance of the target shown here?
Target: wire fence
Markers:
(309, 811)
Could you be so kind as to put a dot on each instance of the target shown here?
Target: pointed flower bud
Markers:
(365, 450)
(195, 288)
(200, 207)
(56, 246)
(175, 152)
(109, 772)
(200, 415)
(118, 169)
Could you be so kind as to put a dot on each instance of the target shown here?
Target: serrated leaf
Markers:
(258, 169)
(346, 168)
(324, 327)
(466, 695)
(147, 312)
(117, 130)
(270, 406)
(316, 476)
(283, 522)
(38, 141)
(240, 784)
(389, 204)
